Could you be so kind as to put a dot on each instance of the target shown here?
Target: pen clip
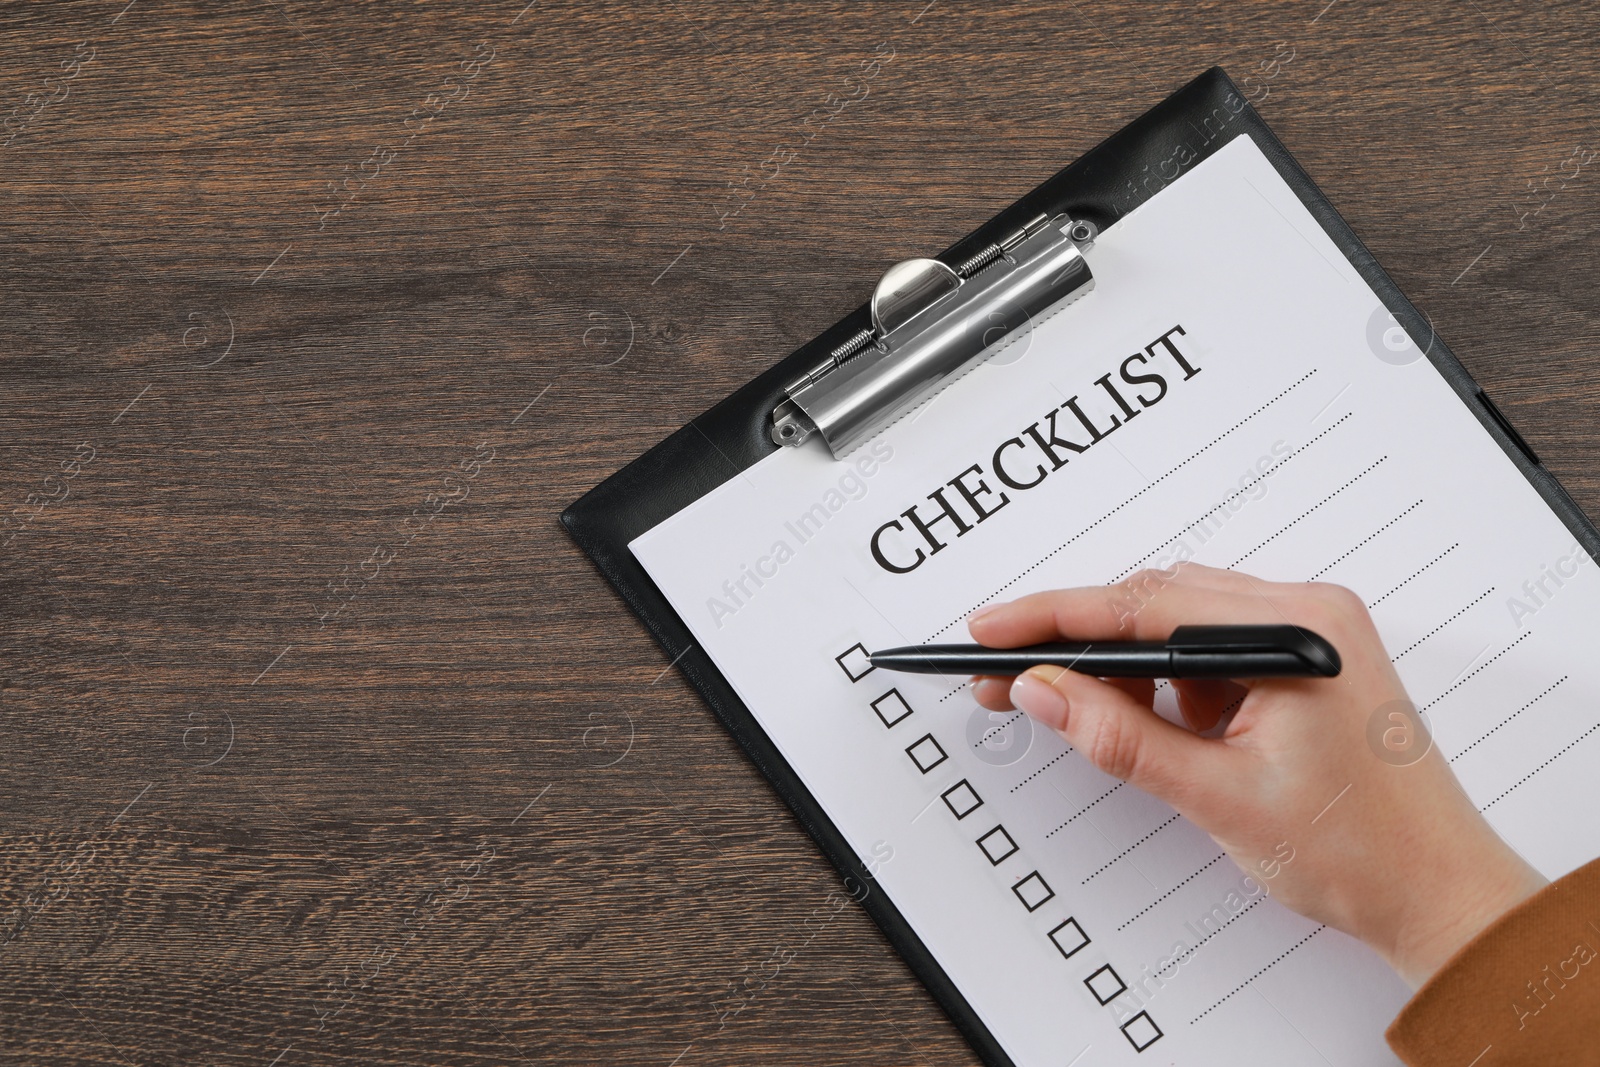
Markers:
(1310, 648)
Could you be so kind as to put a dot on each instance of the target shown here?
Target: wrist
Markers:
(1454, 918)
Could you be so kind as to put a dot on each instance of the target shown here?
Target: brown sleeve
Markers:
(1524, 991)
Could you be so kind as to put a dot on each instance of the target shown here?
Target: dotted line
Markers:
(1250, 416)
(1424, 567)
(1481, 666)
(1508, 718)
(980, 742)
(1369, 537)
(1041, 770)
(1305, 446)
(1539, 768)
(1237, 915)
(1130, 848)
(1207, 513)
(1258, 974)
(1308, 511)
(1446, 622)
(952, 693)
(1086, 807)
(1136, 496)
(1169, 892)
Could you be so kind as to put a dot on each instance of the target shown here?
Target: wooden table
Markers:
(323, 744)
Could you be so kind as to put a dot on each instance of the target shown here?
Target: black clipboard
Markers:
(1107, 183)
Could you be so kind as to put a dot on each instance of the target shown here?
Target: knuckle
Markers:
(1113, 748)
(1331, 593)
(1146, 578)
(1120, 612)
(1132, 595)
(1337, 600)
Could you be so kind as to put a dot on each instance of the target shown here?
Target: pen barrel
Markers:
(1191, 652)
(1160, 661)
(1116, 661)
(1121, 659)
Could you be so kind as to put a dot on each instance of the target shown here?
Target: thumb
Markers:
(1128, 740)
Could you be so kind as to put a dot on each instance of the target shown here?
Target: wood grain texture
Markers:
(323, 744)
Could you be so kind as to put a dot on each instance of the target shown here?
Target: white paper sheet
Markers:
(1381, 480)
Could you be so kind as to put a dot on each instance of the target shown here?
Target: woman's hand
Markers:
(1385, 847)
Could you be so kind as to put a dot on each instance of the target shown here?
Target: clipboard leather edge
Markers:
(730, 436)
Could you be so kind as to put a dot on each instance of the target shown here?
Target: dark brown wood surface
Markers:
(322, 742)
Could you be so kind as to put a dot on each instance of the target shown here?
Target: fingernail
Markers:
(987, 687)
(1040, 699)
(980, 613)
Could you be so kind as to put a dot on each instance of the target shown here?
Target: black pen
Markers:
(1191, 652)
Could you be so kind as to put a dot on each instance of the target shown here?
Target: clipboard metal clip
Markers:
(931, 323)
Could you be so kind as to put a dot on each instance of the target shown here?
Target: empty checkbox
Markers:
(854, 662)
(1104, 984)
(926, 753)
(997, 845)
(1141, 1031)
(1069, 937)
(962, 799)
(891, 707)
(1033, 891)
